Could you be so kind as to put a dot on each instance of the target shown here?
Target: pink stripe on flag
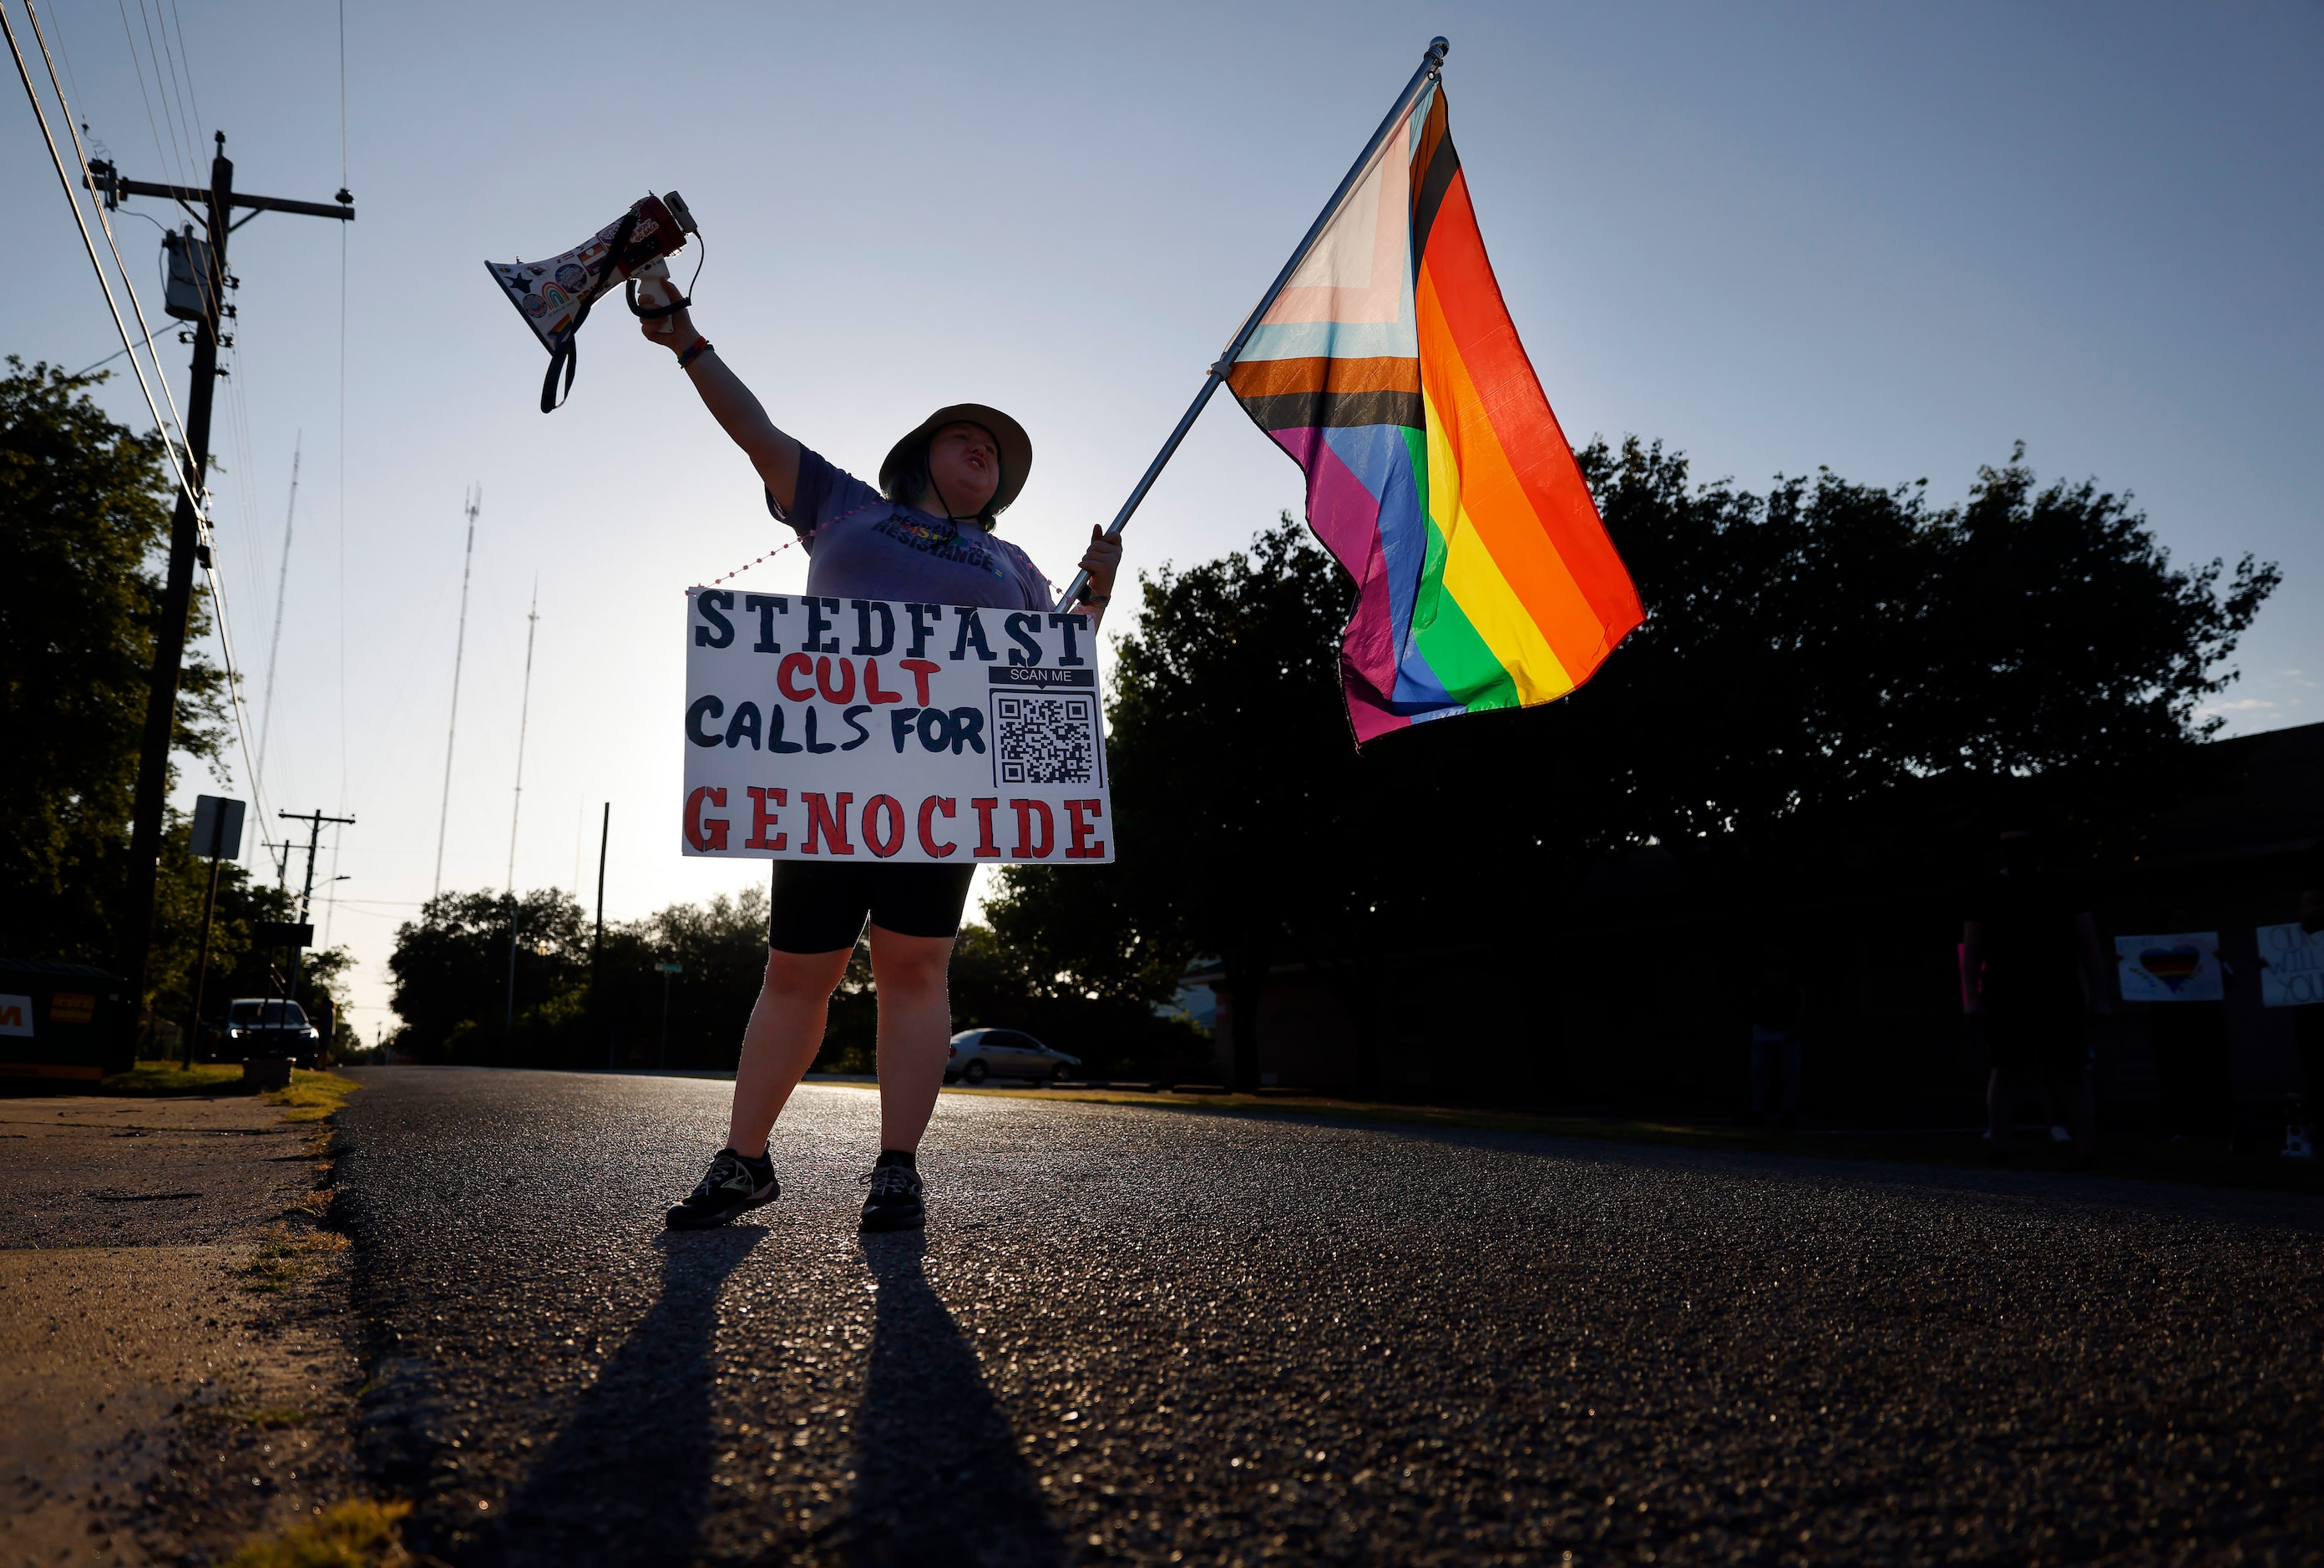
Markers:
(1346, 517)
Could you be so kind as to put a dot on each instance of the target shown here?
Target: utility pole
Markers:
(215, 207)
(313, 820)
(459, 649)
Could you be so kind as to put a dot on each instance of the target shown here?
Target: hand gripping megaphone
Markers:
(554, 296)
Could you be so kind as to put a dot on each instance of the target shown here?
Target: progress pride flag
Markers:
(865, 729)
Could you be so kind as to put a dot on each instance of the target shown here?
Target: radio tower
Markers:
(523, 715)
(281, 592)
(460, 649)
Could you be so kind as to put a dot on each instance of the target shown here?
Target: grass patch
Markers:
(312, 1096)
(282, 1257)
(159, 1078)
(274, 1418)
(361, 1534)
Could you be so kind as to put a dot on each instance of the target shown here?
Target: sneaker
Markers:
(733, 1186)
(894, 1201)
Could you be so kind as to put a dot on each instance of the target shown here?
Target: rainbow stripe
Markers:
(1437, 475)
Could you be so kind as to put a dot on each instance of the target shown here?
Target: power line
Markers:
(137, 63)
(186, 59)
(184, 485)
(165, 85)
(73, 197)
(116, 354)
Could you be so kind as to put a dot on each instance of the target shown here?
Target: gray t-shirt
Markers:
(861, 545)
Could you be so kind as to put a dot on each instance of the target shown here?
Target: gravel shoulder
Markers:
(172, 1350)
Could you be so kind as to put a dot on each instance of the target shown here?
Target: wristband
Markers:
(692, 352)
(1097, 598)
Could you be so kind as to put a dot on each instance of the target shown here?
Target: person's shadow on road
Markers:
(628, 1479)
(938, 1477)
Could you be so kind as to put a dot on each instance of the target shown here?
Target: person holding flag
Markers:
(925, 534)
(1383, 361)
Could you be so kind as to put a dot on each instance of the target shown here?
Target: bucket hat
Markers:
(1016, 447)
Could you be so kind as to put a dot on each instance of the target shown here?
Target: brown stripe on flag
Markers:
(1267, 378)
(1435, 166)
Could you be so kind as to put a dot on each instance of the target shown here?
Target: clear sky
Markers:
(1888, 240)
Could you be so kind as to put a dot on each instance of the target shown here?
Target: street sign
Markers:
(671, 968)
(218, 827)
(283, 934)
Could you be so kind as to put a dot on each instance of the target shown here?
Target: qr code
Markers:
(1046, 740)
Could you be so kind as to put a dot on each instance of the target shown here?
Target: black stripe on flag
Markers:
(1308, 410)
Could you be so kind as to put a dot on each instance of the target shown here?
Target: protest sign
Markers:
(2291, 966)
(2181, 967)
(863, 730)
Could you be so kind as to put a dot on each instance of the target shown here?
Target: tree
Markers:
(1814, 654)
(1829, 675)
(451, 969)
(84, 512)
(1231, 766)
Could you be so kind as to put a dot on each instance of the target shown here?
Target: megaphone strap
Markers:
(566, 356)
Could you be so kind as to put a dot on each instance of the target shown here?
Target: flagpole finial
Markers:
(1438, 47)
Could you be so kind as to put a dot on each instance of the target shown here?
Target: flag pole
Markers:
(1431, 63)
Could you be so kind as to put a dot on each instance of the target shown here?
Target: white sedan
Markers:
(980, 1053)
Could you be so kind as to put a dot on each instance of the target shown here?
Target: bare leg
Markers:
(915, 1031)
(779, 1043)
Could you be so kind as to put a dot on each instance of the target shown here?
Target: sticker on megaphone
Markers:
(554, 296)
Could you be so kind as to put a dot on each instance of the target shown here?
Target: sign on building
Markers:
(864, 730)
(2291, 966)
(2181, 967)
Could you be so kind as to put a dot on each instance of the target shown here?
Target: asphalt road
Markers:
(1156, 1336)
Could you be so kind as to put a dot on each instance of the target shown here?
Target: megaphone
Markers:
(554, 296)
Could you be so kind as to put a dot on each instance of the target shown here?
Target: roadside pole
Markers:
(217, 824)
(509, 1028)
(315, 820)
(662, 1055)
(597, 942)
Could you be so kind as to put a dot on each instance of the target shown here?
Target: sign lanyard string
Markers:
(746, 565)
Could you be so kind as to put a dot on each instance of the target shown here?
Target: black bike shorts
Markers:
(821, 906)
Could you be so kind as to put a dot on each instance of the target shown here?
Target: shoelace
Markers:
(891, 1181)
(722, 1171)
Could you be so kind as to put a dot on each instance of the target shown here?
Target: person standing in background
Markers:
(2030, 969)
(2190, 1057)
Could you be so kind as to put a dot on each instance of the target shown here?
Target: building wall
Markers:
(1640, 1001)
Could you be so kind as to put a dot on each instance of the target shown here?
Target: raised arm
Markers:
(736, 408)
